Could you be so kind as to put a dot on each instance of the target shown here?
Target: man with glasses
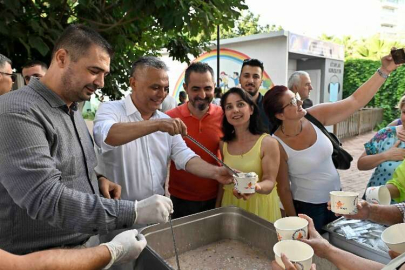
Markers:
(300, 82)
(33, 68)
(251, 78)
(7, 77)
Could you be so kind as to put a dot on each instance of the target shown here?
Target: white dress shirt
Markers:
(140, 166)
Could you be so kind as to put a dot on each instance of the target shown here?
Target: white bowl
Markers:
(343, 202)
(291, 228)
(394, 237)
(297, 252)
(378, 195)
(244, 184)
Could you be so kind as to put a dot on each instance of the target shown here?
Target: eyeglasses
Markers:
(13, 76)
(294, 101)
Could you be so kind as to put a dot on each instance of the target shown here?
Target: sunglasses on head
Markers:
(12, 75)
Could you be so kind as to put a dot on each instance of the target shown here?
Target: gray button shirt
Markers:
(48, 189)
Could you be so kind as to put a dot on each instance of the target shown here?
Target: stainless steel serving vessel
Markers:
(208, 227)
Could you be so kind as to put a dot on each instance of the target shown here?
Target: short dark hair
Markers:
(198, 67)
(218, 92)
(147, 61)
(32, 63)
(252, 62)
(4, 60)
(272, 105)
(255, 124)
(78, 38)
(182, 94)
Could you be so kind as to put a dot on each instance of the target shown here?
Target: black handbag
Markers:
(341, 158)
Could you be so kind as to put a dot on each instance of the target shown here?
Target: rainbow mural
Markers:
(231, 63)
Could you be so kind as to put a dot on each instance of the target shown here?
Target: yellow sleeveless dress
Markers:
(265, 206)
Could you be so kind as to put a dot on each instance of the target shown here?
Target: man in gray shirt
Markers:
(49, 192)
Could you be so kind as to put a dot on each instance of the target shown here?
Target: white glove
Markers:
(125, 247)
(155, 209)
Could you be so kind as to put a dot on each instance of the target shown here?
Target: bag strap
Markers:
(322, 128)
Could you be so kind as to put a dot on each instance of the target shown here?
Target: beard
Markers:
(73, 91)
(252, 92)
(201, 106)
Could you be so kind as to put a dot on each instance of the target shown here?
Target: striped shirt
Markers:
(48, 188)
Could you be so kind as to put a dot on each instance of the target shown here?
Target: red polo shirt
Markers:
(207, 131)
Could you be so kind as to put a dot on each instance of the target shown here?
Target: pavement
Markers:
(353, 179)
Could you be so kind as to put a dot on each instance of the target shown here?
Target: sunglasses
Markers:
(13, 76)
(294, 101)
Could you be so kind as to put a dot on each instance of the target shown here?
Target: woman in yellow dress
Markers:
(247, 148)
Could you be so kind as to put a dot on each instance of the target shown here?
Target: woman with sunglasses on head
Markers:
(247, 148)
(307, 173)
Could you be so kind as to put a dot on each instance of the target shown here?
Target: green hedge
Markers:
(357, 71)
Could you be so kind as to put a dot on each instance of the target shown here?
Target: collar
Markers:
(130, 107)
(259, 99)
(185, 111)
(50, 96)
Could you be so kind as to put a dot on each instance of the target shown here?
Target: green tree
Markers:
(29, 28)
(247, 24)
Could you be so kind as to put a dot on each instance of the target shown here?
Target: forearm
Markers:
(266, 186)
(122, 133)
(367, 91)
(287, 201)
(385, 214)
(58, 259)
(394, 192)
(344, 260)
(369, 162)
(201, 168)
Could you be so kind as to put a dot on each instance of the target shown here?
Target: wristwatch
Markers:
(382, 74)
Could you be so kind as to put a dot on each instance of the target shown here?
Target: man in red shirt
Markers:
(192, 194)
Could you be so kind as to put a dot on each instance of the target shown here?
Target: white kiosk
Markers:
(282, 53)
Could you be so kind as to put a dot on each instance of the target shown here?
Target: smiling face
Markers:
(200, 90)
(149, 87)
(251, 79)
(292, 107)
(237, 111)
(82, 78)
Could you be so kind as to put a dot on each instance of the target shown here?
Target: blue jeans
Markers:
(318, 212)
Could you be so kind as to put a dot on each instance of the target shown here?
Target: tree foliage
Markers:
(357, 71)
(247, 24)
(29, 28)
(371, 48)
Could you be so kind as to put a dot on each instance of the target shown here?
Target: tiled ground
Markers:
(353, 179)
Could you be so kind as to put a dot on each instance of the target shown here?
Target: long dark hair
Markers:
(255, 123)
(272, 105)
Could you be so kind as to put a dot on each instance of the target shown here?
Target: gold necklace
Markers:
(282, 131)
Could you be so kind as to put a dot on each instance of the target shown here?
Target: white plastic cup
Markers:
(378, 195)
(394, 237)
(343, 202)
(291, 228)
(245, 185)
(297, 252)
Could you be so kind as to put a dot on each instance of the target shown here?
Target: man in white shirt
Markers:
(135, 141)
